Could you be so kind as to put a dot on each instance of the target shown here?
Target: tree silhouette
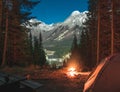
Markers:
(75, 58)
(14, 12)
(42, 56)
(39, 53)
(36, 51)
(103, 21)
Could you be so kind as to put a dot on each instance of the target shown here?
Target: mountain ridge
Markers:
(59, 33)
(76, 18)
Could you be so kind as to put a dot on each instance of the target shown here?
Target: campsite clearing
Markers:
(53, 80)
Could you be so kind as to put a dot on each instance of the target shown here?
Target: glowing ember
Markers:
(72, 72)
(71, 69)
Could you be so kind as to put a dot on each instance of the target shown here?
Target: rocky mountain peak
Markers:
(59, 35)
(59, 31)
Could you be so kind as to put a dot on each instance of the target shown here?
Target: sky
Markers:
(54, 11)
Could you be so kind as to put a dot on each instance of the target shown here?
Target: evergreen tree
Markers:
(107, 28)
(39, 53)
(18, 11)
(42, 56)
(36, 51)
(88, 37)
(86, 49)
(75, 58)
(116, 28)
(103, 23)
(31, 46)
(98, 25)
(74, 47)
(91, 29)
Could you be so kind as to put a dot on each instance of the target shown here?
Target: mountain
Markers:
(58, 37)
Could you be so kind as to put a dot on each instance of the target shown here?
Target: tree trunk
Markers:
(112, 29)
(5, 41)
(98, 34)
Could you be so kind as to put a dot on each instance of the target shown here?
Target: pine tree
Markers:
(116, 27)
(108, 31)
(82, 44)
(75, 58)
(74, 47)
(86, 49)
(36, 51)
(103, 26)
(88, 37)
(31, 46)
(39, 53)
(42, 56)
(18, 11)
(91, 28)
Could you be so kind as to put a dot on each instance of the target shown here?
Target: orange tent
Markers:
(106, 77)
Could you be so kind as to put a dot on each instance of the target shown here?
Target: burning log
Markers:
(72, 72)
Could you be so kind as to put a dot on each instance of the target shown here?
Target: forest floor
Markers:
(51, 80)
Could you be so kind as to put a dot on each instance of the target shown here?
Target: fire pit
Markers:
(72, 72)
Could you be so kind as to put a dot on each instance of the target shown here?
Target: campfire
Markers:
(72, 72)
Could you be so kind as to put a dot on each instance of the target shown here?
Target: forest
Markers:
(99, 38)
(16, 47)
(23, 54)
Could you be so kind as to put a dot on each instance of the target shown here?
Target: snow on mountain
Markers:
(74, 13)
(72, 25)
(76, 18)
(34, 23)
(59, 31)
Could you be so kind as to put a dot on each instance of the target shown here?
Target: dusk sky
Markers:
(53, 11)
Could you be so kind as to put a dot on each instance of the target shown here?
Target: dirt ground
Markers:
(53, 80)
(58, 81)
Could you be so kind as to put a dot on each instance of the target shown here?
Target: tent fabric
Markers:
(106, 77)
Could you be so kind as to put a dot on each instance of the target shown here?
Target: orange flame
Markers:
(72, 72)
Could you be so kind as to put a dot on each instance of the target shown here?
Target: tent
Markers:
(106, 76)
